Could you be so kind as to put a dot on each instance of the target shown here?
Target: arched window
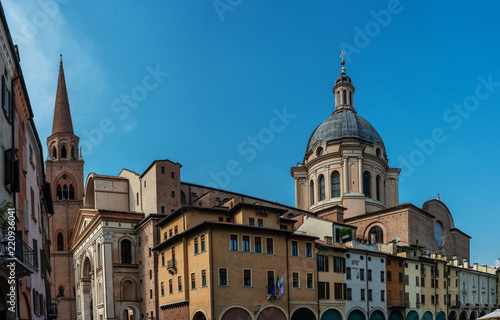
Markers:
(54, 153)
(183, 198)
(321, 187)
(378, 152)
(338, 98)
(350, 98)
(319, 152)
(378, 187)
(376, 235)
(59, 193)
(137, 198)
(126, 251)
(61, 291)
(63, 152)
(65, 193)
(60, 242)
(335, 184)
(72, 153)
(311, 192)
(71, 192)
(344, 97)
(367, 184)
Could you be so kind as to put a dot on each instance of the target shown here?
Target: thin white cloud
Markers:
(42, 33)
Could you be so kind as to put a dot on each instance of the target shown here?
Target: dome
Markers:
(344, 124)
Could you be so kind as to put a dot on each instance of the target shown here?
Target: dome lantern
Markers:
(343, 89)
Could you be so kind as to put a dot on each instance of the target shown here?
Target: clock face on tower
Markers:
(438, 233)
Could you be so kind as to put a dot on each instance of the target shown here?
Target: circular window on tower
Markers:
(319, 152)
(439, 233)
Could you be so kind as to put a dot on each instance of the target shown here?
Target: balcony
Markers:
(171, 266)
(397, 302)
(14, 250)
(52, 311)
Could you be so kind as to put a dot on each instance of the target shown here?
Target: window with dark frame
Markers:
(258, 245)
(233, 242)
(295, 250)
(247, 278)
(245, 244)
(222, 277)
(270, 245)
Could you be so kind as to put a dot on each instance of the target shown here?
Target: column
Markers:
(109, 302)
(374, 184)
(328, 183)
(345, 177)
(360, 173)
(296, 181)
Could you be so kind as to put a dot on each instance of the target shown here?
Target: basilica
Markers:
(346, 166)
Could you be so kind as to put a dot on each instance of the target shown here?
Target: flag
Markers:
(281, 287)
(278, 292)
(273, 289)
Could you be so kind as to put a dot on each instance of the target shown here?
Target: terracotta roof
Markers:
(62, 116)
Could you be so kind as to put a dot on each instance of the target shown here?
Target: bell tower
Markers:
(64, 171)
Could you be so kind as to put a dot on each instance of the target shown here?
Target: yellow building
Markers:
(332, 289)
(219, 263)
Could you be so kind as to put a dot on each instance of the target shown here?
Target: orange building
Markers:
(220, 263)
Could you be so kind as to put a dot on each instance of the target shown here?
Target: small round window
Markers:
(319, 152)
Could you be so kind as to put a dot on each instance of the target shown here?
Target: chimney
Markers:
(465, 264)
(475, 266)
(328, 240)
(455, 261)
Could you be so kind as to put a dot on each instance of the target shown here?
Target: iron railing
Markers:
(13, 246)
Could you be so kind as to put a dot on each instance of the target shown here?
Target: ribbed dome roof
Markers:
(344, 124)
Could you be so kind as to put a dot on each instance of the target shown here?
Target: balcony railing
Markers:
(397, 302)
(52, 311)
(13, 248)
(171, 266)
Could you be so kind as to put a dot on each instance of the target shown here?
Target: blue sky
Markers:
(198, 81)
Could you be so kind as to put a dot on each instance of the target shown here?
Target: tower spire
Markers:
(62, 115)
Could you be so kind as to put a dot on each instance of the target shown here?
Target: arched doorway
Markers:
(463, 315)
(427, 316)
(441, 316)
(199, 316)
(412, 315)
(377, 315)
(452, 316)
(331, 314)
(128, 314)
(236, 313)
(303, 314)
(356, 315)
(395, 315)
(473, 315)
(271, 313)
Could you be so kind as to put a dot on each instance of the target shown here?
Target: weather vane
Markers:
(342, 54)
